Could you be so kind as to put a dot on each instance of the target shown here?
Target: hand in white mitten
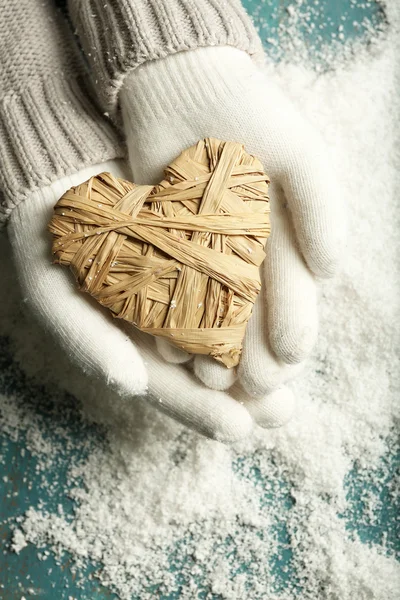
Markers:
(169, 104)
(50, 128)
(124, 359)
(161, 119)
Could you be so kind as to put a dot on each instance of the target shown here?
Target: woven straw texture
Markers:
(179, 259)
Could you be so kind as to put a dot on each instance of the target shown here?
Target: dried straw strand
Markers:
(180, 259)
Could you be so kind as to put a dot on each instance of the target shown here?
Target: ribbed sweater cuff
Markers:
(119, 35)
(49, 130)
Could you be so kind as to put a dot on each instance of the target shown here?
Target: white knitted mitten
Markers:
(82, 327)
(169, 104)
(125, 359)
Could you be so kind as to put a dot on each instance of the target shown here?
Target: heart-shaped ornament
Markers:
(179, 259)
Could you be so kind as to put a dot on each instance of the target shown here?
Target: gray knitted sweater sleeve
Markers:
(119, 35)
(53, 96)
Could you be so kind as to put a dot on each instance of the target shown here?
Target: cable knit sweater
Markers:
(61, 71)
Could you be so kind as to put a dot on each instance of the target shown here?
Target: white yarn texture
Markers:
(121, 358)
(168, 105)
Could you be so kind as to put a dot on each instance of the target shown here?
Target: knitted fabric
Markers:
(48, 126)
(50, 121)
(119, 35)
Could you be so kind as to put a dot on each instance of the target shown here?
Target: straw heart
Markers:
(179, 259)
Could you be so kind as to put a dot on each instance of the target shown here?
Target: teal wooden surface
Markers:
(21, 480)
(320, 22)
